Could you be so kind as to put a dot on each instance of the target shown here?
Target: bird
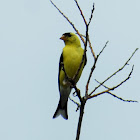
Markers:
(69, 63)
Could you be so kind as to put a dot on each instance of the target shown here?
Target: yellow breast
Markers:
(72, 57)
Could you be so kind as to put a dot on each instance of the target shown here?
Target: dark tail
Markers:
(61, 111)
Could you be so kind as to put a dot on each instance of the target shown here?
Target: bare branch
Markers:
(90, 46)
(120, 82)
(126, 63)
(121, 98)
(114, 94)
(93, 8)
(109, 89)
(74, 101)
(93, 67)
(81, 12)
(123, 80)
(78, 105)
(102, 49)
(95, 95)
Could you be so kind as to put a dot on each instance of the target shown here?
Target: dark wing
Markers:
(60, 67)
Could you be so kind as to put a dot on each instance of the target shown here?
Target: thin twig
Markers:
(95, 95)
(121, 98)
(125, 79)
(122, 81)
(93, 8)
(126, 63)
(93, 67)
(90, 46)
(74, 101)
(81, 12)
(78, 105)
(110, 89)
(103, 49)
(115, 95)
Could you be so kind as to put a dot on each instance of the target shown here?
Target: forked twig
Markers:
(110, 89)
(126, 63)
(93, 67)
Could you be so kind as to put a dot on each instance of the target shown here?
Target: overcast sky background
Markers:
(29, 57)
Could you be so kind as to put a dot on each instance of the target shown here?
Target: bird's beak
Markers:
(63, 37)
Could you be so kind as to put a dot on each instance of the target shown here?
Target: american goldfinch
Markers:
(70, 61)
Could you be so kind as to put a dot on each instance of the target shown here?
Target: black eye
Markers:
(67, 34)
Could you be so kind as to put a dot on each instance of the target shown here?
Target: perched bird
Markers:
(69, 63)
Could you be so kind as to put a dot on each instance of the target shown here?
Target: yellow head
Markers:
(71, 39)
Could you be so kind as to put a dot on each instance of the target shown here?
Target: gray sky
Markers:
(29, 56)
